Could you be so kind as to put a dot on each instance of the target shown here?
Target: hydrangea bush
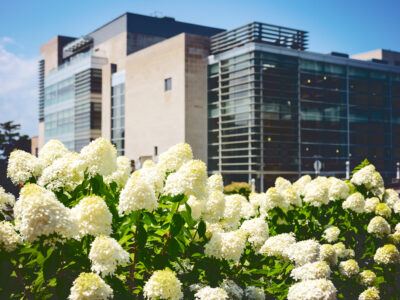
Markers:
(84, 227)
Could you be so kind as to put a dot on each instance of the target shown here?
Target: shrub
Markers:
(88, 229)
(241, 188)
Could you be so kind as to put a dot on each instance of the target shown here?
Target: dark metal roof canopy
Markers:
(260, 33)
(81, 44)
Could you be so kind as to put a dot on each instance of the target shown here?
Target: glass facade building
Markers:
(274, 108)
(72, 102)
(118, 111)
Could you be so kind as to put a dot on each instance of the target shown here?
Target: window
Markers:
(168, 84)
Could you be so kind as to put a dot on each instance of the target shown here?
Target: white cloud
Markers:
(18, 88)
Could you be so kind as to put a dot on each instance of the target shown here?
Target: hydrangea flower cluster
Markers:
(106, 254)
(90, 286)
(92, 199)
(163, 284)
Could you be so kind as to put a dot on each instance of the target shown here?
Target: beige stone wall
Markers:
(377, 54)
(154, 117)
(41, 135)
(114, 50)
(34, 145)
(49, 52)
(197, 49)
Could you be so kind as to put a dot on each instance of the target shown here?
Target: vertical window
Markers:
(118, 117)
(168, 84)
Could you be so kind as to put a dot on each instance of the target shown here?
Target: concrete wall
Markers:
(197, 49)
(154, 117)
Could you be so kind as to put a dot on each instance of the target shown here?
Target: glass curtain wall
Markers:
(277, 95)
(274, 115)
(118, 117)
(323, 114)
(234, 132)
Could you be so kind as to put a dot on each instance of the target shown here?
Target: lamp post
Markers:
(398, 170)
(347, 169)
(253, 185)
(317, 167)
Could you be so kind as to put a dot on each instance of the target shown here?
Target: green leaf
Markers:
(201, 229)
(141, 236)
(177, 223)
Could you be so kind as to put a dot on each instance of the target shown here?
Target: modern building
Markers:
(253, 101)
(152, 68)
(275, 108)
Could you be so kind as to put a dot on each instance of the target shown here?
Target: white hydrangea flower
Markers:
(136, 195)
(39, 213)
(396, 207)
(211, 228)
(121, 175)
(233, 211)
(100, 157)
(274, 199)
(234, 291)
(290, 195)
(394, 237)
(66, 173)
(331, 234)
(370, 204)
(277, 245)
(90, 286)
(9, 239)
(338, 189)
(282, 183)
(92, 216)
(328, 253)
(378, 226)
(196, 205)
(257, 200)
(254, 293)
(51, 151)
(387, 254)
(316, 192)
(301, 184)
(369, 178)
(153, 175)
(6, 199)
(190, 179)
(309, 271)
(371, 293)
(257, 232)
(106, 254)
(175, 157)
(215, 183)
(382, 209)
(226, 245)
(349, 268)
(391, 197)
(215, 207)
(355, 202)
(209, 293)
(303, 252)
(22, 166)
(342, 251)
(319, 289)
(367, 277)
(163, 284)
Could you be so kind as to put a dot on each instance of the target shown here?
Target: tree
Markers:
(10, 139)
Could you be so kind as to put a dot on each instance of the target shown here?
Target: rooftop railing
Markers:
(260, 33)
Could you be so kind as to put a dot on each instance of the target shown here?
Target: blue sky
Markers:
(350, 26)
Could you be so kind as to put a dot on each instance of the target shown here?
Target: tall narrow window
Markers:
(118, 117)
(168, 84)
